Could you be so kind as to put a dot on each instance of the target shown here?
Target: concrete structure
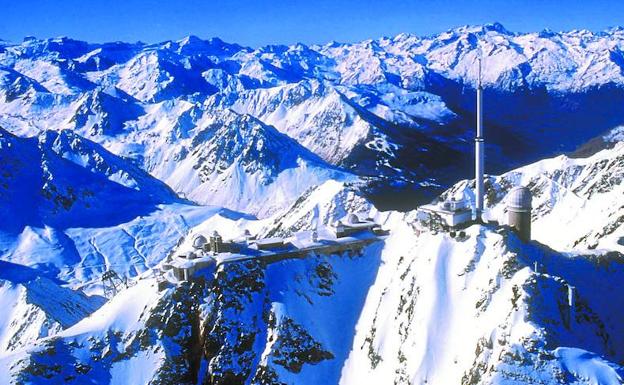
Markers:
(452, 212)
(216, 242)
(268, 243)
(248, 237)
(518, 202)
(571, 304)
(184, 269)
(352, 238)
(479, 153)
(353, 225)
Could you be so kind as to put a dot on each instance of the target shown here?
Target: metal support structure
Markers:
(112, 283)
(479, 152)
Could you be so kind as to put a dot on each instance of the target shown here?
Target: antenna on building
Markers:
(479, 150)
(479, 73)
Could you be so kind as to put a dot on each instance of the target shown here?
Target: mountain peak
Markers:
(482, 29)
(190, 39)
(496, 26)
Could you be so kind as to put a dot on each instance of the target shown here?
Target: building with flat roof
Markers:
(452, 212)
(354, 224)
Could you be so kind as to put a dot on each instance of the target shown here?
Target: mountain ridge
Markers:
(116, 157)
(562, 85)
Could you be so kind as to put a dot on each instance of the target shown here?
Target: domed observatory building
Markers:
(199, 242)
(518, 203)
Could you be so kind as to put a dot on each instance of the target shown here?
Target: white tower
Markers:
(479, 153)
(519, 211)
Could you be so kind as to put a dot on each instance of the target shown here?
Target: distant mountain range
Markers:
(399, 111)
(114, 156)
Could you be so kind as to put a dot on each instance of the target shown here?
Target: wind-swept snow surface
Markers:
(475, 311)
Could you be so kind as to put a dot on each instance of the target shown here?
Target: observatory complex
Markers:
(457, 212)
(348, 236)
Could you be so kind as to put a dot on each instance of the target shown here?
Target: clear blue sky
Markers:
(260, 22)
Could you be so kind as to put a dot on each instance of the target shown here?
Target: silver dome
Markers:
(199, 242)
(519, 198)
(353, 219)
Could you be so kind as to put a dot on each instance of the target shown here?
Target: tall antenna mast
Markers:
(479, 73)
(479, 150)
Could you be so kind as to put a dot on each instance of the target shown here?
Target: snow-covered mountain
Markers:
(72, 209)
(398, 109)
(37, 307)
(143, 336)
(479, 309)
(236, 161)
(59, 178)
(114, 156)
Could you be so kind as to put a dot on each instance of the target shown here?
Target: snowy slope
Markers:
(36, 306)
(475, 312)
(312, 112)
(102, 140)
(238, 162)
(578, 201)
(59, 178)
(481, 309)
(142, 335)
(72, 209)
(485, 309)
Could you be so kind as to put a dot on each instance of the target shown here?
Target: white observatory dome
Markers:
(199, 242)
(353, 219)
(519, 198)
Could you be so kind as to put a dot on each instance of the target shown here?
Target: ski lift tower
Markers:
(112, 283)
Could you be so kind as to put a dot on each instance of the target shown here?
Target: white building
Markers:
(453, 212)
(355, 225)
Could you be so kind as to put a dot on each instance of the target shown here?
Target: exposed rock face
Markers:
(474, 310)
(246, 336)
(160, 346)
